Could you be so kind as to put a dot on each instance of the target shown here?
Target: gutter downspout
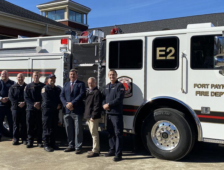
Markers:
(46, 32)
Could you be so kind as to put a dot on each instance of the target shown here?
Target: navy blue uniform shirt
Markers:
(50, 97)
(16, 95)
(4, 91)
(114, 95)
(32, 94)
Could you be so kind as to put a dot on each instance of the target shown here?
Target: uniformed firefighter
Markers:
(113, 96)
(16, 96)
(5, 104)
(33, 100)
(50, 109)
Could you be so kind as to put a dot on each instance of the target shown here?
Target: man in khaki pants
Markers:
(93, 114)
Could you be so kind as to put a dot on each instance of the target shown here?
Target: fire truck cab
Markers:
(174, 85)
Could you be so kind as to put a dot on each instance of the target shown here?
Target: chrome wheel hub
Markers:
(165, 135)
(5, 125)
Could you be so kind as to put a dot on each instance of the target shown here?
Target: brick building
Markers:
(15, 20)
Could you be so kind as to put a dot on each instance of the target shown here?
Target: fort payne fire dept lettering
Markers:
(207, 93)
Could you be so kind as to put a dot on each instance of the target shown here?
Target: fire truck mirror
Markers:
(218, 51)
(219, 60)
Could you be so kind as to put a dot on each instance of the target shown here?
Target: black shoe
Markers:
(109, 154)
(69, 150)
(29, 145)
(93, 154)
(15, 143)
(117, 158)
(90, 152)
(24, 142)
(48, 149)
(55, 147)
(78, 151)
(40, 145)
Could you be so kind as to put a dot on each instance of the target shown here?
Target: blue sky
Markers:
(111, 12)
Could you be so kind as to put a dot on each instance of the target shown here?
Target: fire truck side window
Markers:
(126, 54)
(202, 52)
(165, 54)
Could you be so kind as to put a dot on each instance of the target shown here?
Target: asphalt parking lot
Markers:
(204, 156)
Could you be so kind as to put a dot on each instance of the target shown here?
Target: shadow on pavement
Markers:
(137, 158)
(205, 153)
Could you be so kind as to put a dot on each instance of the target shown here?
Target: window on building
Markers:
(71, 15)
(75, 16)
(84, 19)
(202, 52)
(56, 15)
(78, 17)
(165, 54)
(126, 54)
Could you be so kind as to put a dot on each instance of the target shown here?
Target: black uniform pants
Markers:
(6, 111)
(115, 130)
(33, 119)
(19, 118)
(50, 124)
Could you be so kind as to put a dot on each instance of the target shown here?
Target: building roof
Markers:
(51, 2)
(12, 9)
(175, 23)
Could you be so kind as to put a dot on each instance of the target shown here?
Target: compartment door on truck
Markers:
(49, 65)
(15, 66)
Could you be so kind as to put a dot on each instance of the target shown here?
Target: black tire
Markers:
(186, 133)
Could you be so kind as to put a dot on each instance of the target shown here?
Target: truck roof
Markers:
(191, 28)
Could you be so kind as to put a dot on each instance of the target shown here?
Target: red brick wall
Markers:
(74, 25)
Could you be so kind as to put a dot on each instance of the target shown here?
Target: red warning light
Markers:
(64, 41)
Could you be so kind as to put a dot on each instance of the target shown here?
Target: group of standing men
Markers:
(37, 105)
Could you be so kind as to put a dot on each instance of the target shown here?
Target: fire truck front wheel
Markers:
(167, 134)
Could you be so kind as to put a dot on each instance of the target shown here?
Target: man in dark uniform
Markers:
(5, 103)
(113, 96)
(50, 109)
(16, 96)
(32, 95)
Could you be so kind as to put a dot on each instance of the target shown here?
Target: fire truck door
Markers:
(127, 57)
(206, 85)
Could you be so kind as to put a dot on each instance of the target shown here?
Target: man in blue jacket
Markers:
(5, 104)
(113, 96)
(72, 96)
